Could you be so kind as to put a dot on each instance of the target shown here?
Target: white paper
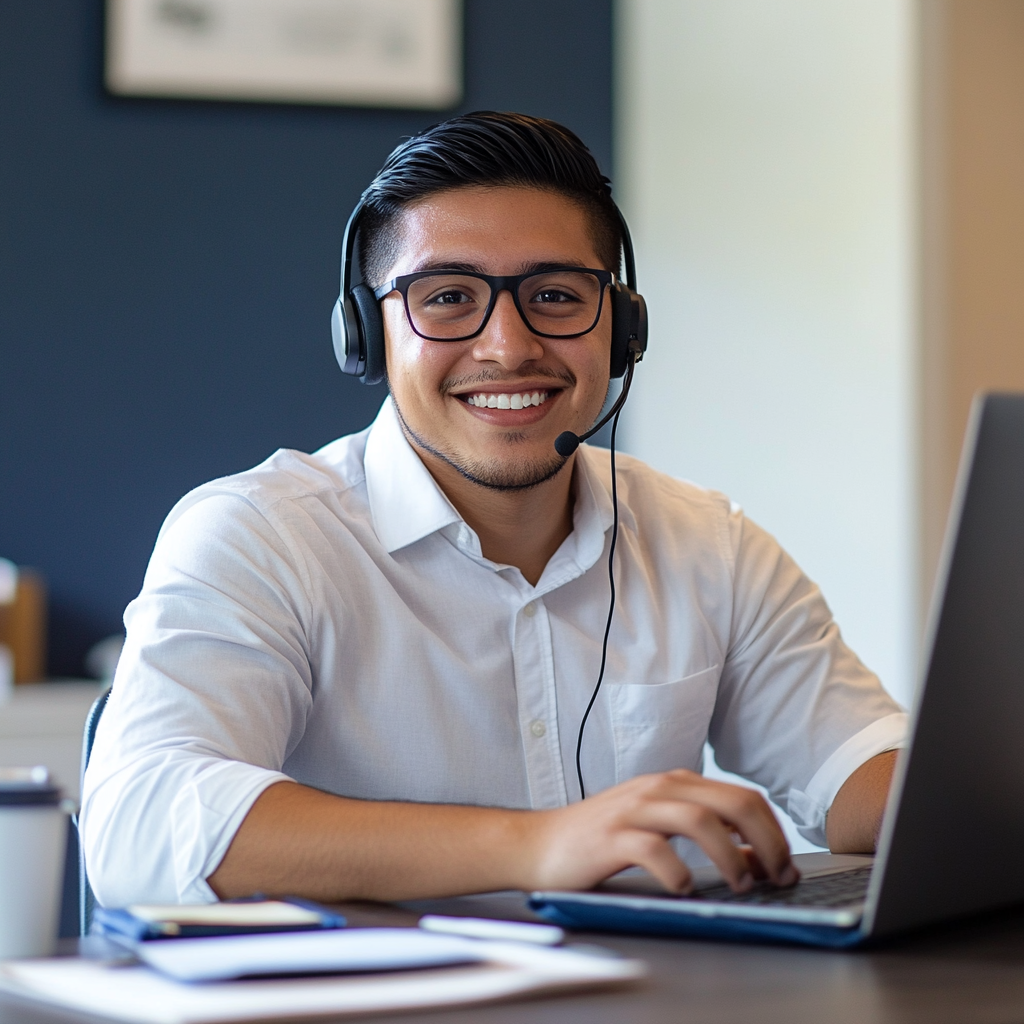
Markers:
(141, 995)
(361, 949)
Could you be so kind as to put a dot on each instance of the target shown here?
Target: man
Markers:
(362, 672)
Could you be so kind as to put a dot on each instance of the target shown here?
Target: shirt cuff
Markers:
(205, 816)
(809, 807)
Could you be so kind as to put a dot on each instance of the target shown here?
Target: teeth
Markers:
(503, 401)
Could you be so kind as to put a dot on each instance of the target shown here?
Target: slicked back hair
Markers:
(489, 149)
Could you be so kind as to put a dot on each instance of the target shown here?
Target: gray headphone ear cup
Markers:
(622, 313)
(638, 321)
(347, 341)
(371, 324)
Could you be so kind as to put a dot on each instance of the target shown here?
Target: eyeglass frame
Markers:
(497, 284)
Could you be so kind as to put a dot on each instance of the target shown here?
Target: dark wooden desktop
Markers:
(960, 974)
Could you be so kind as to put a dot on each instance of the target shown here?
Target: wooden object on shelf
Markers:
(23, 627)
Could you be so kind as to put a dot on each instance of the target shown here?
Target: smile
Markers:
(521, 400)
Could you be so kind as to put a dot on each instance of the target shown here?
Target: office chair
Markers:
(86, 899)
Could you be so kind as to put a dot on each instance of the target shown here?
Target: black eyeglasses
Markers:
(455, 305)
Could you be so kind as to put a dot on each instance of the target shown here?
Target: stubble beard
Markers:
(509, 475)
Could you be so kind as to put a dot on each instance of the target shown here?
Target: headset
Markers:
(357, 328)
(357, 325)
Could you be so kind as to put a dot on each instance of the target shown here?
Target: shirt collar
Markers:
(593, 514)
(407, 505)
(405, 502)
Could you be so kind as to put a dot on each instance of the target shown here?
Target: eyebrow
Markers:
(537, 267)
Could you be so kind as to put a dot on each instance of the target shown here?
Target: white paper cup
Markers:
(33, 840)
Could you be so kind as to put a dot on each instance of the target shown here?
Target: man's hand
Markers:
(302, 842)
(631, 824)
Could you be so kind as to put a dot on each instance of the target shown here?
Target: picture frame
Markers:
(375, 53)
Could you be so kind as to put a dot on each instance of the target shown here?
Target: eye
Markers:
(448, 297)
(554, 295)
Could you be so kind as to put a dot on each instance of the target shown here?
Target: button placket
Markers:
(534, 668)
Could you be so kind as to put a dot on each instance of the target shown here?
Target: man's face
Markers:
(440, 387)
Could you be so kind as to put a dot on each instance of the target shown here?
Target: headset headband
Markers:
(357, 324)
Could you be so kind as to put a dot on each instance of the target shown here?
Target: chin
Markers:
(507, 474)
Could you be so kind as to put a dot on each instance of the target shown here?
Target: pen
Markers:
(500, 931)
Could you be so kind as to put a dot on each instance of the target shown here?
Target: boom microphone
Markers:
(567, 442)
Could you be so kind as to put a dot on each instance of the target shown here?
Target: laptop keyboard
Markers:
(836, 890)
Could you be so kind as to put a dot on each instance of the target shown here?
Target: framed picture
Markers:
(393, 53)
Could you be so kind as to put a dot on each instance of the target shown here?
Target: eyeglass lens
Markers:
(449, 306)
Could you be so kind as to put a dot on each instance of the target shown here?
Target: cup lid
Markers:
(28, 787)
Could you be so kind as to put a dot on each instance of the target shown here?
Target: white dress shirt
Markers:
(329, 618)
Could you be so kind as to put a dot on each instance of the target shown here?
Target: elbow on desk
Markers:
(128, 843)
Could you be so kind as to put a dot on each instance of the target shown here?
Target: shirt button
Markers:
(529, 611)
(538, 728)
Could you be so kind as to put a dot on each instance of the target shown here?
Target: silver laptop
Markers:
(953, 830)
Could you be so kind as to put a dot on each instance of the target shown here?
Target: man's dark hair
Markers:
(485, 148)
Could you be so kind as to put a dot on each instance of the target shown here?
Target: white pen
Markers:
(500, 931)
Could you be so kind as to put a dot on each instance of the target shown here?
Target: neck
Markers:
(524, 527)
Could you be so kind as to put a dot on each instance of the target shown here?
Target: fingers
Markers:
(754, 865)
(654, 854)
(706, 829)
(631, 824)
(712, 814)
(749, 814)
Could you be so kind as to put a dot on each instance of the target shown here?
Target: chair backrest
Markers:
(86, 899)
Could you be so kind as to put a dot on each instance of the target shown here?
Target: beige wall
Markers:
(972, 230)
(765, 157)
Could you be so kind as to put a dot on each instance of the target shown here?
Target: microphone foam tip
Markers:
(566, 443)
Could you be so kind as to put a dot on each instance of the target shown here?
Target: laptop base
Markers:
(613, 914)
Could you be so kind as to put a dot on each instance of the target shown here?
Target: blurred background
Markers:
(167, 272)
(828, 204)
(827, 201)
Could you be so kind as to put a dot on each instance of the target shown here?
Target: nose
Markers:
(506, 339)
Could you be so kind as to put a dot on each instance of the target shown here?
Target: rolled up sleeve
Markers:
(211, 695)
(797, 712)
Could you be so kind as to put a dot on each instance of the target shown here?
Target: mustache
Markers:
(450, 384)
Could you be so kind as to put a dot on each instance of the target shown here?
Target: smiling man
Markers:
(363, 672)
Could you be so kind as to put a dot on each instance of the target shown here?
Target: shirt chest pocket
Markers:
(661, 726)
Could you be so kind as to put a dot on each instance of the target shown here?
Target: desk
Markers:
(962, 974)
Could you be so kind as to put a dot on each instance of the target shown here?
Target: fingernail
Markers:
(746, 882)
(789, 875)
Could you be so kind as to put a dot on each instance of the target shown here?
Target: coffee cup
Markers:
(33, 842)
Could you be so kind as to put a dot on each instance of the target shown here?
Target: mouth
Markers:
(505, 399)
(506, 402)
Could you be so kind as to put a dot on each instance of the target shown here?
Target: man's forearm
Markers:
(855, 818)
(301, 842)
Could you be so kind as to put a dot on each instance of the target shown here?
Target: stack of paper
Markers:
(488, 971)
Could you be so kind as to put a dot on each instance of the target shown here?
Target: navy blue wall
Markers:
(166, 273)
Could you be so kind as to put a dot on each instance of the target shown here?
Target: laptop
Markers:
(953, 829)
